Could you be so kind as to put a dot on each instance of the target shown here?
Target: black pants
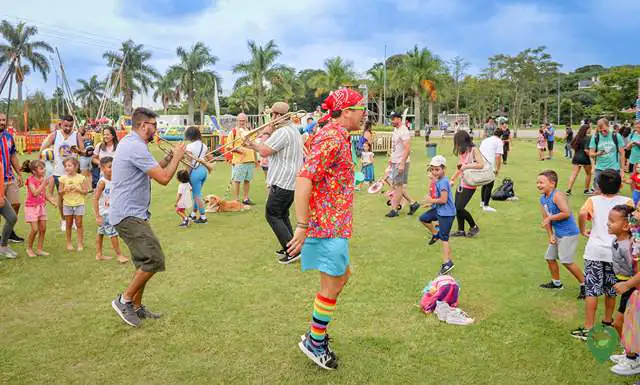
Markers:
(486, 193)
(277, 214)
(462, 199)
(505, 152)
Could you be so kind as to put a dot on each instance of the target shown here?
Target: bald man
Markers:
(243, 161)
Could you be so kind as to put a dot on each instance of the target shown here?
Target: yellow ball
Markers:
(47, 154)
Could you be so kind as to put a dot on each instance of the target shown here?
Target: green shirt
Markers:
(635, 150)
(611, 158)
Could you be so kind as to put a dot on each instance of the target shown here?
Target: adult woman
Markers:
(108, 145)
(581, 159)
(469, 157)
(198, 174)
(632, 149)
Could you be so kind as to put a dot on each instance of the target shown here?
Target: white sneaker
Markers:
(442, 310)
(7, 252)
(458, 317)
(74, 226)
(627, 367)
(481, 204)
(489, 209)
(617, 358)
(63, 226)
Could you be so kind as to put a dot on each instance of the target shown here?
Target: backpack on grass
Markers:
(504, 191)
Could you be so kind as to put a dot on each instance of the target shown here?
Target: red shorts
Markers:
(180, 210)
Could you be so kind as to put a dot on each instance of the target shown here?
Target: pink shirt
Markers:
(466, 159)
(32, 200)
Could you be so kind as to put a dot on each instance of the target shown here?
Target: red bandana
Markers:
(339, 100)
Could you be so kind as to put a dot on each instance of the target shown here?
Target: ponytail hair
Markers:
(29, 166)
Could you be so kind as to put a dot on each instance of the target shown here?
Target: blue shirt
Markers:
(551, 135)
(446, 209)
(7, 149)
(563, 228)
(131, 186)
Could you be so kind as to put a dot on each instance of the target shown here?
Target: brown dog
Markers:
(217, 205)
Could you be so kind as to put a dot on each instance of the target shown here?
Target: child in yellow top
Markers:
(74, 188)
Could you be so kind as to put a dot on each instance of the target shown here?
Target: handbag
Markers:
(479, 177)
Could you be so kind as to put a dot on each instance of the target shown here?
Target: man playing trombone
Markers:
(285, 152)
(243, 161)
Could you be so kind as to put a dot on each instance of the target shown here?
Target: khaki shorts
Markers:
(11, 192)
(146, 252)
(564, 249)
(398, 178)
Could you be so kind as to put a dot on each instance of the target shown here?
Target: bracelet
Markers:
(302, 225)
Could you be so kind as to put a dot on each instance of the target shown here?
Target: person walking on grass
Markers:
(492, 148)
(469, 157)
(568, 138)
(399, 162)
(443, 211)
(243, 161)
(581, 159)
(607, 147)
(506, 141)
(598, 255)
(324, 209)
(562, 230)
(133, 169)
(101, 202)
(550, 134)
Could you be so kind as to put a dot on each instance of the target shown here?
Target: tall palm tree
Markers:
(243, 99)
(287, 85)
(259, 69)
(19, 46)
(204, 91)
(137, 75)
(90, 93)
(376, 88)
(167, 91)
(419, 65)
(192, 70)
(58, 100)
(337, 73)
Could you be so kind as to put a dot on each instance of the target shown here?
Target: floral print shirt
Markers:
(329, 166)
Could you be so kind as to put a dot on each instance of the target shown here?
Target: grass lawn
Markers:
(232, 314)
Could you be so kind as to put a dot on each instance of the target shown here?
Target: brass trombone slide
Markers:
(188, 160)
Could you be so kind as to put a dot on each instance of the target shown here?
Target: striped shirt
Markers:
(7, 148)
(287, 160)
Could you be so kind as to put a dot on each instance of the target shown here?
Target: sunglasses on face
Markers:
(357, 108)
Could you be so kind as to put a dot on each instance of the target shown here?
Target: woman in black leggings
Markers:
(469, 157)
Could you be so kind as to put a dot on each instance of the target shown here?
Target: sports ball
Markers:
(47, 154)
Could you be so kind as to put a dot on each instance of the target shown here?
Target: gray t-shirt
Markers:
(287, 160)
(622, 260)
(131, 186)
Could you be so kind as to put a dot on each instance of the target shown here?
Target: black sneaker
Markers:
(581, 295)
(287, 259)
(184, 224)
(434, 239)
(568, 192)
(413, 208)
(551, 285)
(446, 267)
(389, 203)
(459, 233)
(143, 312)
(248, 202)
(392, 214)
(320, 355)
(14, 238)
(280, 253)
(580, 333)
(125, 311)
(589, 192)
(473, 231)
(201, 221)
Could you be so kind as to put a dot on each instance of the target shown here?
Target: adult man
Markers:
(399, 162)
(243, 161)
(12, 182)
(489, 128)
(492, 149)
(506, 140)
(324, 200)
(66, 144)
(133, 169)
(608, 149)
(284, 149)
(550, 133)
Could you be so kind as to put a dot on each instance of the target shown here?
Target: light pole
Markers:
(384, 88)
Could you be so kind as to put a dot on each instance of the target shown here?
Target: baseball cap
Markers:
(396, 115)
(438, 161)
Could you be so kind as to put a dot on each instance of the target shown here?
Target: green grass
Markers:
(233, 315)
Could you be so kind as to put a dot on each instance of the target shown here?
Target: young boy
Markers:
(443, 211)
(598, 255)
(101, 208)
(562, 229)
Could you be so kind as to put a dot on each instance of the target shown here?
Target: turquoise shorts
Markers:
(328, 255)
(243, 172)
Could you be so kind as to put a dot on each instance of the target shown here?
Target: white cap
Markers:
(438, 161)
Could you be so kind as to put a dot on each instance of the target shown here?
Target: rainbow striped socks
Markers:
(322, 311)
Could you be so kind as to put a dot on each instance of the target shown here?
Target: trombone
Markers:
(272, 125)
(189, 159)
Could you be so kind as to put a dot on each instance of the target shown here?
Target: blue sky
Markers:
(576, 33)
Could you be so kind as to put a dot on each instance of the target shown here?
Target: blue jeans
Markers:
(197, 178)
(636, 197)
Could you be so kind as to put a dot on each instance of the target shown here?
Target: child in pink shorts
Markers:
(35, 204)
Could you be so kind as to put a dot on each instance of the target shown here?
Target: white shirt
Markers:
(62, 150)
(198, 150)
(490, 148)
(103, 202)
(287, 160)
(185, 201)
(398, 139)
(106, 152)
(599, 244)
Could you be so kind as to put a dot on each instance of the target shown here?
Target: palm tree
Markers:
(204, 91)
(243, 98)
(167, 91)
(192, 71)
(90, 93)
(19, 47)
(419, 65)
(376, 88)
(137, 75)
(287, 85)
(259, 69)
(58, 99)
(337, 73)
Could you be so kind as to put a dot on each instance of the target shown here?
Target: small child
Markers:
(74, 188)
(443, 211)
(367, 164)
(183, 198)
(101, 209)
(35, 212)
(264, 160)
(598, 255)
(541, 144)
(634, 181)
(625, 267)
(562, 229)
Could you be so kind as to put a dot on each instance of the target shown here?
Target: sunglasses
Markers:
(357, 108)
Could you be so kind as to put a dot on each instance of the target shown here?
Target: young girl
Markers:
(264, 160)
(74, 188)
(101, 209)
(542, 144)
(367, 164)
(183, 198)
(624, 267)
(634, 181)
(35, 211)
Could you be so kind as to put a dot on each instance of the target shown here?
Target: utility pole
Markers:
(384, 89)
(558, 102)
